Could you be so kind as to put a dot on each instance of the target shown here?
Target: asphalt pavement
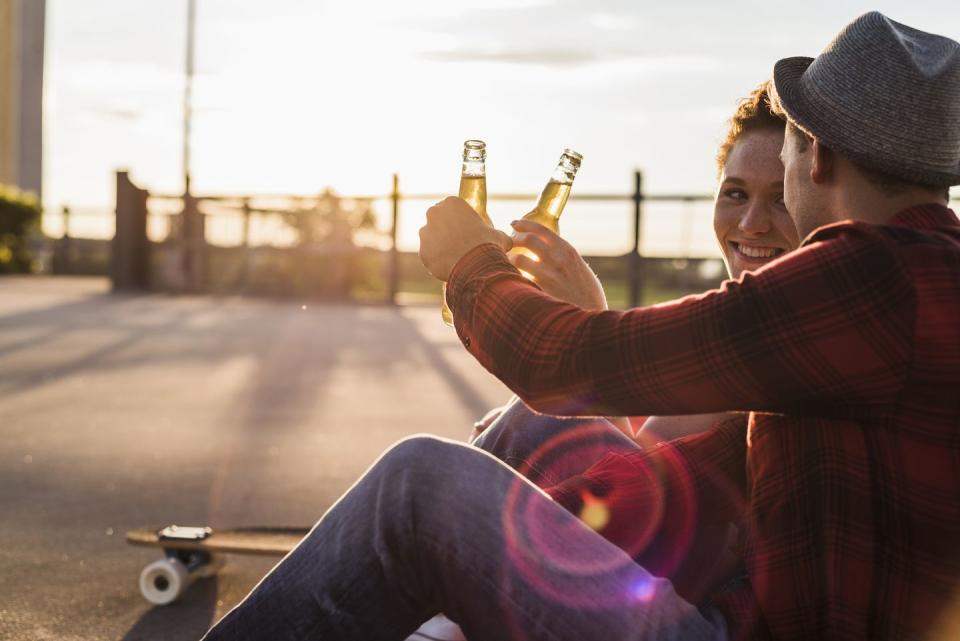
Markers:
(119, 411)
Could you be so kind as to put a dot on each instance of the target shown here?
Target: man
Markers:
(846, 477)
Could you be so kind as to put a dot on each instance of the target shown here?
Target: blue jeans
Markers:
(438, 526)
(550, 449)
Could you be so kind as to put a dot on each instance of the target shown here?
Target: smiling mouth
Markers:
(753, 253)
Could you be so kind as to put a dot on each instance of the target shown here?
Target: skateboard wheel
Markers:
(163, 581)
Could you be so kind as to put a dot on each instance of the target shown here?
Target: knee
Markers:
(421, 455)
(420, 470)
(518, 432)
(502, 430)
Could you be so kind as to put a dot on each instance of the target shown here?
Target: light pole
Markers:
(192, 233)
(188, 92)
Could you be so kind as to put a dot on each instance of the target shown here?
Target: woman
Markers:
(753, 228)
(750, 220)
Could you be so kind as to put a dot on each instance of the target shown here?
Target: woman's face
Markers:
(749, 217)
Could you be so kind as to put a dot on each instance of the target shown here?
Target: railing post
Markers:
(129, 256)
(193, 243)
(393, 276)
(245, 273)
(61, 248)
(65, 214)
(636, 260)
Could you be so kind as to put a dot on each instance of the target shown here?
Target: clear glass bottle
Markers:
(473, 189)
(554, 196)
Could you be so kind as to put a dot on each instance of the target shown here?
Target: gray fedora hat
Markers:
(883, 94)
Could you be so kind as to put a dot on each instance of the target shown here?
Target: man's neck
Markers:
(873, 206)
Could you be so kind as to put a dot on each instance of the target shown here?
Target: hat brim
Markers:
(787, 75)
(786, 82)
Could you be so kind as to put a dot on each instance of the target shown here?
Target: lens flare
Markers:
(651, 520)
(542, 542)
(643, 589)
(594, 512)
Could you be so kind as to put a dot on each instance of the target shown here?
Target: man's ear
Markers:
(821, 162)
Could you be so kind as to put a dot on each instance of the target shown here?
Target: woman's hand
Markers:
(480, 426)
(561, 271)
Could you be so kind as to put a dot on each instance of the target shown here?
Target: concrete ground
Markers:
(123, 411)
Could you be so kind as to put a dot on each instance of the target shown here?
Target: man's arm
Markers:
(825, 330)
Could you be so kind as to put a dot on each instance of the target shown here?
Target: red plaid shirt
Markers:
(845, 479)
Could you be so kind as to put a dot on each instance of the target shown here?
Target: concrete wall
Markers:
(9, 106)
(21, 93)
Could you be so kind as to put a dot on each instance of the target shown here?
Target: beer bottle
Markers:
(554, 196)
(473, 189)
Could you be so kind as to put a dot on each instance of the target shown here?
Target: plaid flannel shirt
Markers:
(845, 479)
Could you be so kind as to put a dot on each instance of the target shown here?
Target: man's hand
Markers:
(561, 272)
(452, 230)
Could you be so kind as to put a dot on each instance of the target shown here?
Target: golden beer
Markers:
(550, 206)
(473, 189)
(553, 198)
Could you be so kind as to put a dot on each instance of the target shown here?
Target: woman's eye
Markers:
(779, 200)
(735, 194)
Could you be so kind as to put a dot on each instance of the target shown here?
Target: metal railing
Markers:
(635, 275)
(248, 206)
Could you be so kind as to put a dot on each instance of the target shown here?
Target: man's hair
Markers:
(889, 184)
(754, 113)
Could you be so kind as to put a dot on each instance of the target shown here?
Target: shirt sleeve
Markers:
(825, 330)
(652, 502)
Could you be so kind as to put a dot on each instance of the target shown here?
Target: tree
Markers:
(331, 220)
(19, 215)
(327, 263)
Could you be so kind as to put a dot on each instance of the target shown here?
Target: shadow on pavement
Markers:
(265, 411)
(187, 619)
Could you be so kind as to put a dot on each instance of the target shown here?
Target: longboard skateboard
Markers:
(197, 552)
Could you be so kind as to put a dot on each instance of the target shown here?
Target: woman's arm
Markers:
(667, 428)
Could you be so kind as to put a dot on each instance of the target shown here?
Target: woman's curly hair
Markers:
(752, 114)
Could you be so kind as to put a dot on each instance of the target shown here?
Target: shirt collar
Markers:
(926, 217)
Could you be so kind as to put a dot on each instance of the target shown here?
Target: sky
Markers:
(292, 96)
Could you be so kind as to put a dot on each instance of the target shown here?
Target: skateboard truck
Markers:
(184, 533)
(163, 581)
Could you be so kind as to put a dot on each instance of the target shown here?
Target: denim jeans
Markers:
(550, 449)
(438, 526)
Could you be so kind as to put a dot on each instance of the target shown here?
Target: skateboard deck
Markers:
(197, 552)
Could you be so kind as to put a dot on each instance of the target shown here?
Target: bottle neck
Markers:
(567, 167)
(474, 168)
(474, 159)
(554, 196)
(562, 176)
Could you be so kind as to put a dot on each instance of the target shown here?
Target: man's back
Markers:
(849, 347)
(854, 523)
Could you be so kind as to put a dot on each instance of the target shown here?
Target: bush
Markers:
(19, 215)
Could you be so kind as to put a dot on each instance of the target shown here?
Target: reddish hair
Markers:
(754, 113)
